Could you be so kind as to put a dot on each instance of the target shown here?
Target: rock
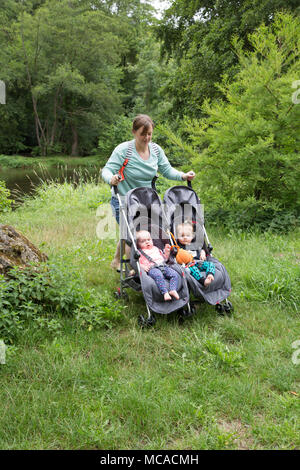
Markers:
(17, 250)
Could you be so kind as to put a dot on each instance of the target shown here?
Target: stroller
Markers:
(182, 203)
(143, 210)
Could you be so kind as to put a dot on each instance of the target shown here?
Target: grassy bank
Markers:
(18, 161)
(210, 383)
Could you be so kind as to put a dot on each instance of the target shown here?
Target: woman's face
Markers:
(143, 136)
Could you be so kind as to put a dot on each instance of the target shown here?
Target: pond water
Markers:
(23, 182)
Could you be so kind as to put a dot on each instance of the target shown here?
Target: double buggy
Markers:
(143, 210)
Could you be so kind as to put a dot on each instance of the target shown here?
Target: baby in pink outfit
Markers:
(150, 259)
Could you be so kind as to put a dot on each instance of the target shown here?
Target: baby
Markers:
(152, 260)
(185, 235)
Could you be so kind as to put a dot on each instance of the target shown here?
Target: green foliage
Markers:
(176, 147)
(277, 282)
(152, 77)
(65, 59)
(210, 351)
(95, 312)
(67, 69)
(62, 198)
(175, 386)
(39, 298)
(118, 132)
(198, 35)
(250, 213)
(5, 202)
(248, 162)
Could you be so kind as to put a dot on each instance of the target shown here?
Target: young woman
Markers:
(145, 160)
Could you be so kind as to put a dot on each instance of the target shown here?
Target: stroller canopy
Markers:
(182, 204)
(144, 211)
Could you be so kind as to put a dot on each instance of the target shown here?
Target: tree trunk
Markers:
(74, 152)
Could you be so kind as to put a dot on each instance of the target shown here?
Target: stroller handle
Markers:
(116, 191)
(189, 183)
(153, 184)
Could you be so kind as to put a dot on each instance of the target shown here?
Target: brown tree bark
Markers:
(74, 152)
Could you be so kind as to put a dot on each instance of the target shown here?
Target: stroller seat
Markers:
(143, 211)
(181, 204)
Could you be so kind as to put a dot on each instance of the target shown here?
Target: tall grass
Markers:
(18, 161)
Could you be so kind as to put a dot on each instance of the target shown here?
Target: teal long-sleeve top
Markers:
(138, 172)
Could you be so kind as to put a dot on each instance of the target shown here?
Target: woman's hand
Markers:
(115, 180)
(190, 175)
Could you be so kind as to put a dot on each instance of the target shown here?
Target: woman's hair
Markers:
(142, 120)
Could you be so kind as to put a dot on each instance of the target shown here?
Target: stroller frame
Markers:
(224, 306)
(127, 280)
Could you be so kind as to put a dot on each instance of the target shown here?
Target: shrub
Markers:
(40, 297)
(252, 143)
(251, 214)
(115, 134)
(5, 202)
(248, 144)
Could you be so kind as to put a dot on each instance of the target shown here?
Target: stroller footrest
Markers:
(131, 282)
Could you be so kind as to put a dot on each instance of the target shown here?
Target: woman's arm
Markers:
(113, 165)
(166, 169)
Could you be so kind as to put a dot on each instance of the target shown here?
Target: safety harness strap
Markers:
(129, 154)
(160, 266)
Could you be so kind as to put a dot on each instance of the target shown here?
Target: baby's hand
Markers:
(202, 255)
(167, 250)
(208, 280)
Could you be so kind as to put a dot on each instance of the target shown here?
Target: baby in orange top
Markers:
(152, 260)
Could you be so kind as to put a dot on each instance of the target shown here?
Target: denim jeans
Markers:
(114, 202)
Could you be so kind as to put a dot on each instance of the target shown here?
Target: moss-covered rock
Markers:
(17, 250)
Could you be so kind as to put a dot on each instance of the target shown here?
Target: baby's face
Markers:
(185, 234)
(145, 240)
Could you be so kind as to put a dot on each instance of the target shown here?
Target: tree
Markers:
(152, 79)
(67, 66)
(65, 57)
(250, 141)
(198, 34)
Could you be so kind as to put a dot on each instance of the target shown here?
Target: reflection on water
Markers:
(22, 182)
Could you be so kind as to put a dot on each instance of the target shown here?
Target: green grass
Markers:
(210, 383)
(18, 161)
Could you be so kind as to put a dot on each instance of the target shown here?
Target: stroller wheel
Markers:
(185, 313)
(228, 307)
(119, 296)
(220, 309)
(193, 309)
(146, 322)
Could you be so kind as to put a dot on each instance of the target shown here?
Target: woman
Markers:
(143, 163)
